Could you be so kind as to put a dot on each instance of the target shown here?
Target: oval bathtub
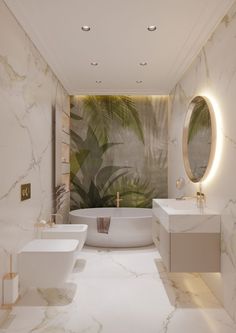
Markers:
(129, 227)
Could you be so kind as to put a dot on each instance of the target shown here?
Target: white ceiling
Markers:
(119, 40)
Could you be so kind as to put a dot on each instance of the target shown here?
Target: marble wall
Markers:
(29, 92)
(213, 73)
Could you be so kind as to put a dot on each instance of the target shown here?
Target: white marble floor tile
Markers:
(121, 291)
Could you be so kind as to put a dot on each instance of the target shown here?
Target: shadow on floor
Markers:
(186, 290)
(48, 297)
(79, 266)
(6, 318)
(88, 248)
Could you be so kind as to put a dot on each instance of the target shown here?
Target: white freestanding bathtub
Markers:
(129, 227)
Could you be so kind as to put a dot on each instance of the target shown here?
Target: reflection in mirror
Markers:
(199, 139)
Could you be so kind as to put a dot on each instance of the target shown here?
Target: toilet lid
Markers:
(50, 245)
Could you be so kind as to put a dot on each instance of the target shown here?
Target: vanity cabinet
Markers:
(190, 252)
(189, 238)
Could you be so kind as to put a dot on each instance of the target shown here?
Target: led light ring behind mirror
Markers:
(187, 165)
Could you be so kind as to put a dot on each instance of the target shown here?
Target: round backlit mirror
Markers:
(199, 139)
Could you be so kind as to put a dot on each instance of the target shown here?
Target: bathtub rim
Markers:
(73, 213)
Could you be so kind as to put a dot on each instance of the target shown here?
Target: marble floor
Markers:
(120, 291)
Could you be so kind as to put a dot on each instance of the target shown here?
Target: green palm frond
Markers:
(96, 121)
(90, 181)
(77, 159)
(135, 192)
(106, 146)
(95, 195)
(108, 175)
(102, 111)
(75, 116)
(87, 155)
(77, 140)
(74, 112)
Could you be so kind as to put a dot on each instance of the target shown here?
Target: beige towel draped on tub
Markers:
(103, 224)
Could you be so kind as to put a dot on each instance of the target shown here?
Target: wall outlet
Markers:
(25, 191)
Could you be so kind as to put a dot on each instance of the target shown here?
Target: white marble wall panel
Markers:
(28, 92)
(213, 73)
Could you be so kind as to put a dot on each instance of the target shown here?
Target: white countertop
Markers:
(183, 216)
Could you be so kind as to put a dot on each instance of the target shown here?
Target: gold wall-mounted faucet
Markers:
(201, 198)
(53, 220)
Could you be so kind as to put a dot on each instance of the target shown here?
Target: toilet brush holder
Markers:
(10, 288)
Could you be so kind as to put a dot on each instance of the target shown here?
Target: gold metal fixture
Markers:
(143, 63)
(118, 199)
(180, 182)
(40, 224)
(51, 224)
(25, 191)
(201, 198)
(8, 276)
(53, 220)
(85, 28)
(152, 28)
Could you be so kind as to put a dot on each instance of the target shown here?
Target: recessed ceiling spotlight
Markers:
(139, 81)
(143, 63)
(93, 63)
(152, 27)
(98, 81)
(85, 28)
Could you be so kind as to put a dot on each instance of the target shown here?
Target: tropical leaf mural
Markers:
(135, 192)
(108, 149)
(93, 179)
(100, 112)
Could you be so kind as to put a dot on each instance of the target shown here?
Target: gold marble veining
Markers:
(121, 290)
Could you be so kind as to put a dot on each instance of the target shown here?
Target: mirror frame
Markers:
(185, 139)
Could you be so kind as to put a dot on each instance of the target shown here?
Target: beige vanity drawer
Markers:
(190, 252)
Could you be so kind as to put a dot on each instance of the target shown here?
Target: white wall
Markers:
(28, 90)
(213, 73)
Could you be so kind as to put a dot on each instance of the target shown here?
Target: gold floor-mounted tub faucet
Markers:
(118, 199)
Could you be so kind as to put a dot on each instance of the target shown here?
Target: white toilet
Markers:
(46, 263)
(67, 231)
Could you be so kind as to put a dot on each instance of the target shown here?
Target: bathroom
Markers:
(50, 75)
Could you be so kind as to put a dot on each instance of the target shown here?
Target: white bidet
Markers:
(67, 231)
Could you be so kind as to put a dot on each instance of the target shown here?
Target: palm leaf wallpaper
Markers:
(118, 144)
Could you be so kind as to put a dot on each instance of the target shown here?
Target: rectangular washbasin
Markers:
(185, 216)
